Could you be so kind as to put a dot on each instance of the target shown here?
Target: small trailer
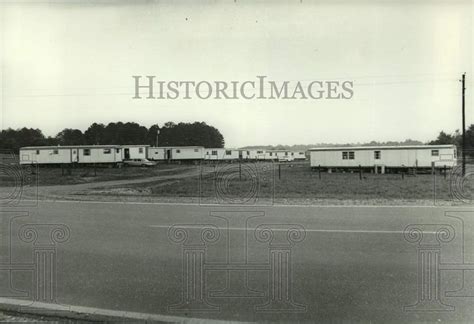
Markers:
(77, 154)
(381, 159)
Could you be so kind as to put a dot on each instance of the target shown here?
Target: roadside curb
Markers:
(80, 313)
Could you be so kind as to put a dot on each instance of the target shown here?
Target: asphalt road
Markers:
(344, 263)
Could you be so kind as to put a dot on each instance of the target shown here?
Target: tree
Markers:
(95, 134)
(69, 136)
(12, 139)
(182, 134)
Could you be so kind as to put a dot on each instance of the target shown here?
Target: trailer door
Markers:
(75, 156)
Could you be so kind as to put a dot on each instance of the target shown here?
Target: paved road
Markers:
(344, 263)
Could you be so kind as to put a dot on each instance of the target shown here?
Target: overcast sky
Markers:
(68, 64)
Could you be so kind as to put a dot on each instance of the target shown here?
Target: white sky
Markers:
(68, 64)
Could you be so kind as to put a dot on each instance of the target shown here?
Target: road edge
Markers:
(31, 308)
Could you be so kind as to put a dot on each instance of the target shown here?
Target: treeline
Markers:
(456, 139)
(304, 147)
(170, 134)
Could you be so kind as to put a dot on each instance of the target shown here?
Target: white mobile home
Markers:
(176, 153)
(251, 154)
(221, 154)
(81, 154)
(134, 151)
(382, 157)
(99, 154)
(47, 155)
(278, 155)
(254, 154)
(299, 155)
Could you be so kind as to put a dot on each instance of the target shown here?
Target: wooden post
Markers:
(279, 171)
(432, 168)
(360, 172)
(444, 169)
(319, 171)
(240, 170)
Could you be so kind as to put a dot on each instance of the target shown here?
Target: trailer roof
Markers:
(388, 147)
(154, 147)
(66, 147)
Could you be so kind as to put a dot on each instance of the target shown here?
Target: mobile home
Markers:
(278, 155)
(256, 154)
(299, 155)
(381, 158)
(221, 154)
(134, 151)
(176, 153)
(81, 154)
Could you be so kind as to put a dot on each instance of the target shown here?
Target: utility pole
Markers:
(463, 124)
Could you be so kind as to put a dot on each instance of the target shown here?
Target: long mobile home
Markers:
(81, 154)
(176, 153)
(221, 154)
(381, 158)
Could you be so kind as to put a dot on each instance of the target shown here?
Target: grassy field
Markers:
(54, 175)
(298, 181)
(234, 183)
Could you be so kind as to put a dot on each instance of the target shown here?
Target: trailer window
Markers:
(377, 155)
(271, 153)
(214, 153)
(37, 152)
(228, 152)
(178, 151)
(140, 150)
(87, 152)
(351, 155)
(117, 150)
(196, 150)
(434, 152)
(107, 151)
(55, 152)
(344, 155)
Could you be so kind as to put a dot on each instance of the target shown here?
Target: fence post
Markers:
(432, 168)
(319, 171)
(360, 172)
(279, 171)
(240, 169)
(444, 169)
